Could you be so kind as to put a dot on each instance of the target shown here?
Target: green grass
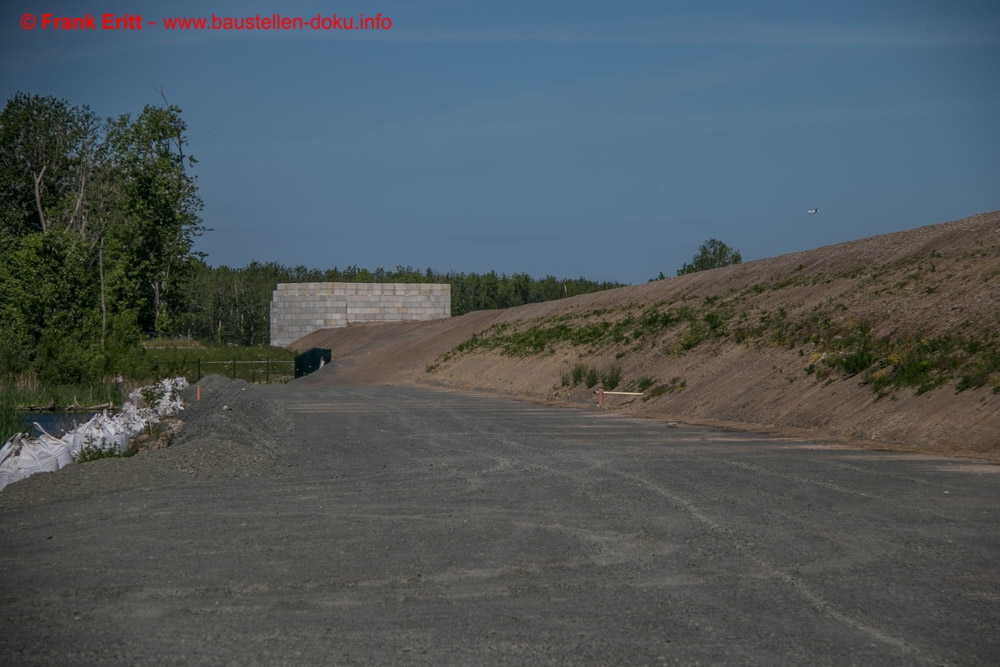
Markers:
(542, 336)
(983, 370)
(252, 365)
(27, 390)
(11, 420)
(927, 363)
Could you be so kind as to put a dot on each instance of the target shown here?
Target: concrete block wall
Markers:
(298, 309)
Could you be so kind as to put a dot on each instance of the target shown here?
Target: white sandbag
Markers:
(74, 440)
(8, 461)
(22, 457)
(47, 450)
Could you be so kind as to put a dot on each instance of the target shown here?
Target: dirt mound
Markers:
(374, 353)
(232, 411)
(232, 431)
(876, 340)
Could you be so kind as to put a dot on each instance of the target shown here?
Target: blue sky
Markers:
(597, 139)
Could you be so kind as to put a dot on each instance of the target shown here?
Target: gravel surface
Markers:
(407, 526)
(232, 431)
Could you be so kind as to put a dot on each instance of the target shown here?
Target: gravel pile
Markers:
(232, 411)
(233, 431)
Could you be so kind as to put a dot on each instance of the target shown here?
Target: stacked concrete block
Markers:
(298, 309)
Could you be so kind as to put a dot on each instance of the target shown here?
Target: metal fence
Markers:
(261, 370)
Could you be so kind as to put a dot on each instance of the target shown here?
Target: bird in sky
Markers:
(815, 210)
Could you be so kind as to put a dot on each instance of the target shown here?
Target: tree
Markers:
(96, 230)
(712, 254)
(160, 205)
(47, 151)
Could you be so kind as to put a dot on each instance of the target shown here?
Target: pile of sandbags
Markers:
(22, 457)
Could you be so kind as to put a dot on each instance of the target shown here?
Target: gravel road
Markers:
(384, 525)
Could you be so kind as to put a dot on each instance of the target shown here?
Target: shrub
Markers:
(611, 377)
(979, 373)
(695, 336)
(852, 363)
(62, 360)
(94, 453)
(675, 385)
(645, 382)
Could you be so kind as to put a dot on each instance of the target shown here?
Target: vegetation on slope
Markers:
(834, 336)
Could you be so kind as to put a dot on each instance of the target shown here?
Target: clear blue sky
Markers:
(602, 139)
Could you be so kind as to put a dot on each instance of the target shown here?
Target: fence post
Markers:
(234, 368)
(199, 369)
(267, 371)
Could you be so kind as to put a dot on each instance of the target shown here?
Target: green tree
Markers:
(712, 254)
(160, 206)
(47, 153)
(47, 295)
(96, 230)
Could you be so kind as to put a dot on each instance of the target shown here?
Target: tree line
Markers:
(98, 219)
(232, 305)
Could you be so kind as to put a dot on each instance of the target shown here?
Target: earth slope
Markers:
(890, 340)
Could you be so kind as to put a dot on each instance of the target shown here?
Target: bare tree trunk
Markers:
(81, 232)
(156, 305)
(104, 307)
(38, 197)
(160, 286)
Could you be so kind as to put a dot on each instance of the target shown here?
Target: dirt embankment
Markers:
(890, 340)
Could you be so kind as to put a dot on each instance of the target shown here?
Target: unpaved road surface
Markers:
(409, 526)
(770, 361)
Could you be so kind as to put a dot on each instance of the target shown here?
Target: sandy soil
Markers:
(926, 282)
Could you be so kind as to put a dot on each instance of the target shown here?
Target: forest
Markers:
(231, 306)
(98, 222)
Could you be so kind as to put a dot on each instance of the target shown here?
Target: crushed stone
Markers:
(247, 439)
